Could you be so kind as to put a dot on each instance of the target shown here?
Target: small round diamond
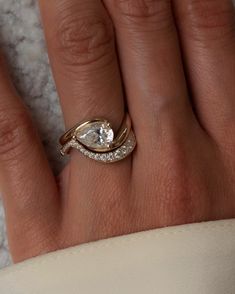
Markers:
(97, 156)
(118, 153)
(110, 156)
(91, 155)
(103, 157)
(107, 157)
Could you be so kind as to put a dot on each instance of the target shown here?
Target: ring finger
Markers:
(81, 48)
(152, 69)
(82, 53)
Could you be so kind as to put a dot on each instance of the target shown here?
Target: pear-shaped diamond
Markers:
(96, 135)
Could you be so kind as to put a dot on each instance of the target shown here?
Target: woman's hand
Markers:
(172, 67)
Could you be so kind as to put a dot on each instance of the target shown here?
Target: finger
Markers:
(81, 48)
(26, 182)
(151, 65)
(207, 30)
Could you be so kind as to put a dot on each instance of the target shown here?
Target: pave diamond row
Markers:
(108, 157)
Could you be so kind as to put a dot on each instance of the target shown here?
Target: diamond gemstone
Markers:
(109, 157)
(96, 135)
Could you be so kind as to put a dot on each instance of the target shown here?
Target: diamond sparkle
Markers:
(109, 157)
(97, 135)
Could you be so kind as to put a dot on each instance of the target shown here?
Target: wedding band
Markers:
(96, 139)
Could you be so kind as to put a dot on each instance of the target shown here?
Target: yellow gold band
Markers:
(95, 139)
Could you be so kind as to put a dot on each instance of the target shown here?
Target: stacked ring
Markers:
(96, 140)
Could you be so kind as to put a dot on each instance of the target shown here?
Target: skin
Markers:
(171, 65)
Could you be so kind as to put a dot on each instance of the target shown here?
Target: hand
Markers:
(177, 66)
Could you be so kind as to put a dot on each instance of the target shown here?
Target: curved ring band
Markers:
(95, 139)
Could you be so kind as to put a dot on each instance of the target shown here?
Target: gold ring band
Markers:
(96, 140)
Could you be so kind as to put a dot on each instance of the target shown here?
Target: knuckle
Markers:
(15, 129)
(84, 40)
(150, 12)
(210, 20)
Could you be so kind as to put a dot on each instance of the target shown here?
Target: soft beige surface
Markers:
(190, 259)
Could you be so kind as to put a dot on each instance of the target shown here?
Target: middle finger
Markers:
(81, 48)
(152, 68)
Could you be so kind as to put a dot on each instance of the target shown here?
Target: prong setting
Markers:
(95, 139)
(108, 157)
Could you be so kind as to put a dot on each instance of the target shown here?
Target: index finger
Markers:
(26, 181)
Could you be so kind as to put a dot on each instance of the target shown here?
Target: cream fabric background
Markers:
(195, 259)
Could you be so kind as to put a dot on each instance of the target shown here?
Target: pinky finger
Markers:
(26, 181)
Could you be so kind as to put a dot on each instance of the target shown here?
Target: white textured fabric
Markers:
(188, 259)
